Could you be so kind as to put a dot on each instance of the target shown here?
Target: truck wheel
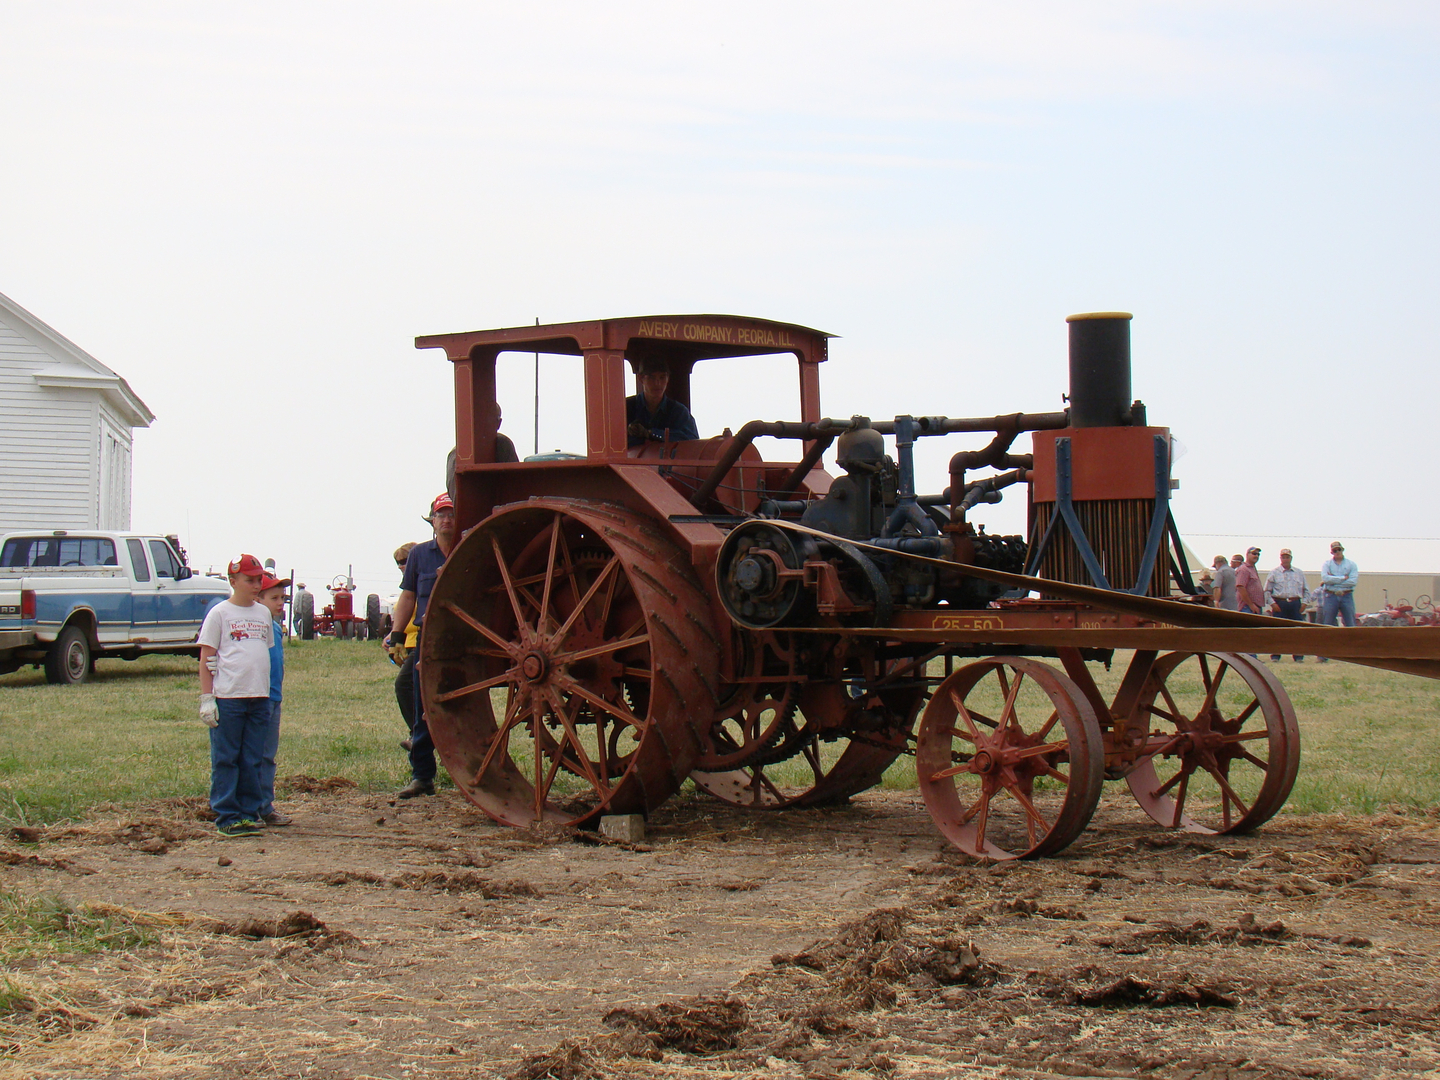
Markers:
(372, 616)
(305, 617)
(68, 660)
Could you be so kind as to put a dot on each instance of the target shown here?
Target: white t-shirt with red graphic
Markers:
(240, 637)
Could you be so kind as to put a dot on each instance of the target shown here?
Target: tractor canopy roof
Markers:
(679, 340)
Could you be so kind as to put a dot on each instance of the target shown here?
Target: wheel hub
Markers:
(534, 666)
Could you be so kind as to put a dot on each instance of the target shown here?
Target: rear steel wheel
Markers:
(845, 745)
(1010, 759)
(1219, 744)
(567, 645)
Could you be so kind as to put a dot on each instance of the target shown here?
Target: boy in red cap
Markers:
(422, 567)
(235, 697)
(272, 595)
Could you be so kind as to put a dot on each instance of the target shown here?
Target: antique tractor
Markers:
(611, 625)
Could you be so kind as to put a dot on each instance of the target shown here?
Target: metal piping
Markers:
(779, 429)
(950, 425)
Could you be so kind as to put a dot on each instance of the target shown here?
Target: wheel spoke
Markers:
(479, 627)
(1179, 777)
(1212, 691)
(1032, 816)
(964, 714)
(537, 725)
(1246, 712)
(549, 573)
(605, 574)
(974, 809)
(953, 770)
(1263, 766)
(472, 688)
(509, 585)
(1036, 751)
(625, 716)
(811, 750)
(1009, 710)
(1045, 729)
(1176, 715)
(586, 766)
(602, 650)
(1227, 794)
(1184, 775)
(514, 712)
(1243, 736)
(1055, 774)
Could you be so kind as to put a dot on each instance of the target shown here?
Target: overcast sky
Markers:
(251, 211)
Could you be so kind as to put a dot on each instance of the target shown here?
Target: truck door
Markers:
(145, 609)
(174, 621)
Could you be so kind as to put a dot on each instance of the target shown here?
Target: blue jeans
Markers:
(1342, 605)
(236, 744)
(267, 759)
(422, 750)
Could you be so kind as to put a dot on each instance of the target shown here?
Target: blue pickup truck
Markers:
(68, 598)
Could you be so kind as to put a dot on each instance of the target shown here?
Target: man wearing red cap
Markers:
(421, 569)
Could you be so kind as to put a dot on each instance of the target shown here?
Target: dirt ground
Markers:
(375, 939)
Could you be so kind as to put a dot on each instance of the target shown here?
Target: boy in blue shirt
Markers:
(272, 595)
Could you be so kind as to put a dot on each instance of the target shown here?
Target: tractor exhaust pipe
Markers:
(1100, 370)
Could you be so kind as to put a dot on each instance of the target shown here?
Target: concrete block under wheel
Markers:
(627, 827)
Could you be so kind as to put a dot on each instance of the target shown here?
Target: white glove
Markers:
(209, 711)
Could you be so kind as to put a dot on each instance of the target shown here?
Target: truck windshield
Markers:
(23, 551)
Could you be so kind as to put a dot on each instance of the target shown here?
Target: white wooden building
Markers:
(65, 431)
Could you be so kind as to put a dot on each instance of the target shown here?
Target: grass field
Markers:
(1370, 738)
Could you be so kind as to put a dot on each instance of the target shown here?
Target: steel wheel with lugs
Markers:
(565, 649)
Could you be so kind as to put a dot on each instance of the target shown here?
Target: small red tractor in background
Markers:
(338, 618)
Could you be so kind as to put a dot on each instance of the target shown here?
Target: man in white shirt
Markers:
(1286, 594)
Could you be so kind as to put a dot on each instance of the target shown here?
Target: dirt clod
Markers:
(300, 784)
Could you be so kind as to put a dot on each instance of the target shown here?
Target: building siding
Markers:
(49, 444)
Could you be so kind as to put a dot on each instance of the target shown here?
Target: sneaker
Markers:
(276, 818)
(234, 829)
(416, 787)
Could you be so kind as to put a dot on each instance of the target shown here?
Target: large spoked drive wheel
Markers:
(566, 656)
(1220, 747)
(1010, 759)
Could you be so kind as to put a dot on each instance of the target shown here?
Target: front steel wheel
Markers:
(1010, 759)
(1219, 746)
(566, 660)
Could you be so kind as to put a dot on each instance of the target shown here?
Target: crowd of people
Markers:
(1235, 585)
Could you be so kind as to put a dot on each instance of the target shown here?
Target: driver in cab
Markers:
(649, 414)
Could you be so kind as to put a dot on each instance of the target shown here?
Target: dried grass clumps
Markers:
(699, 1025)
(863, 963)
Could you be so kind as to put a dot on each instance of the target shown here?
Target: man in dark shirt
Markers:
(649, 414)
(421, 570)
(504, 455)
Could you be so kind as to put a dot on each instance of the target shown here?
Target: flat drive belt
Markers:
(1181, 626)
